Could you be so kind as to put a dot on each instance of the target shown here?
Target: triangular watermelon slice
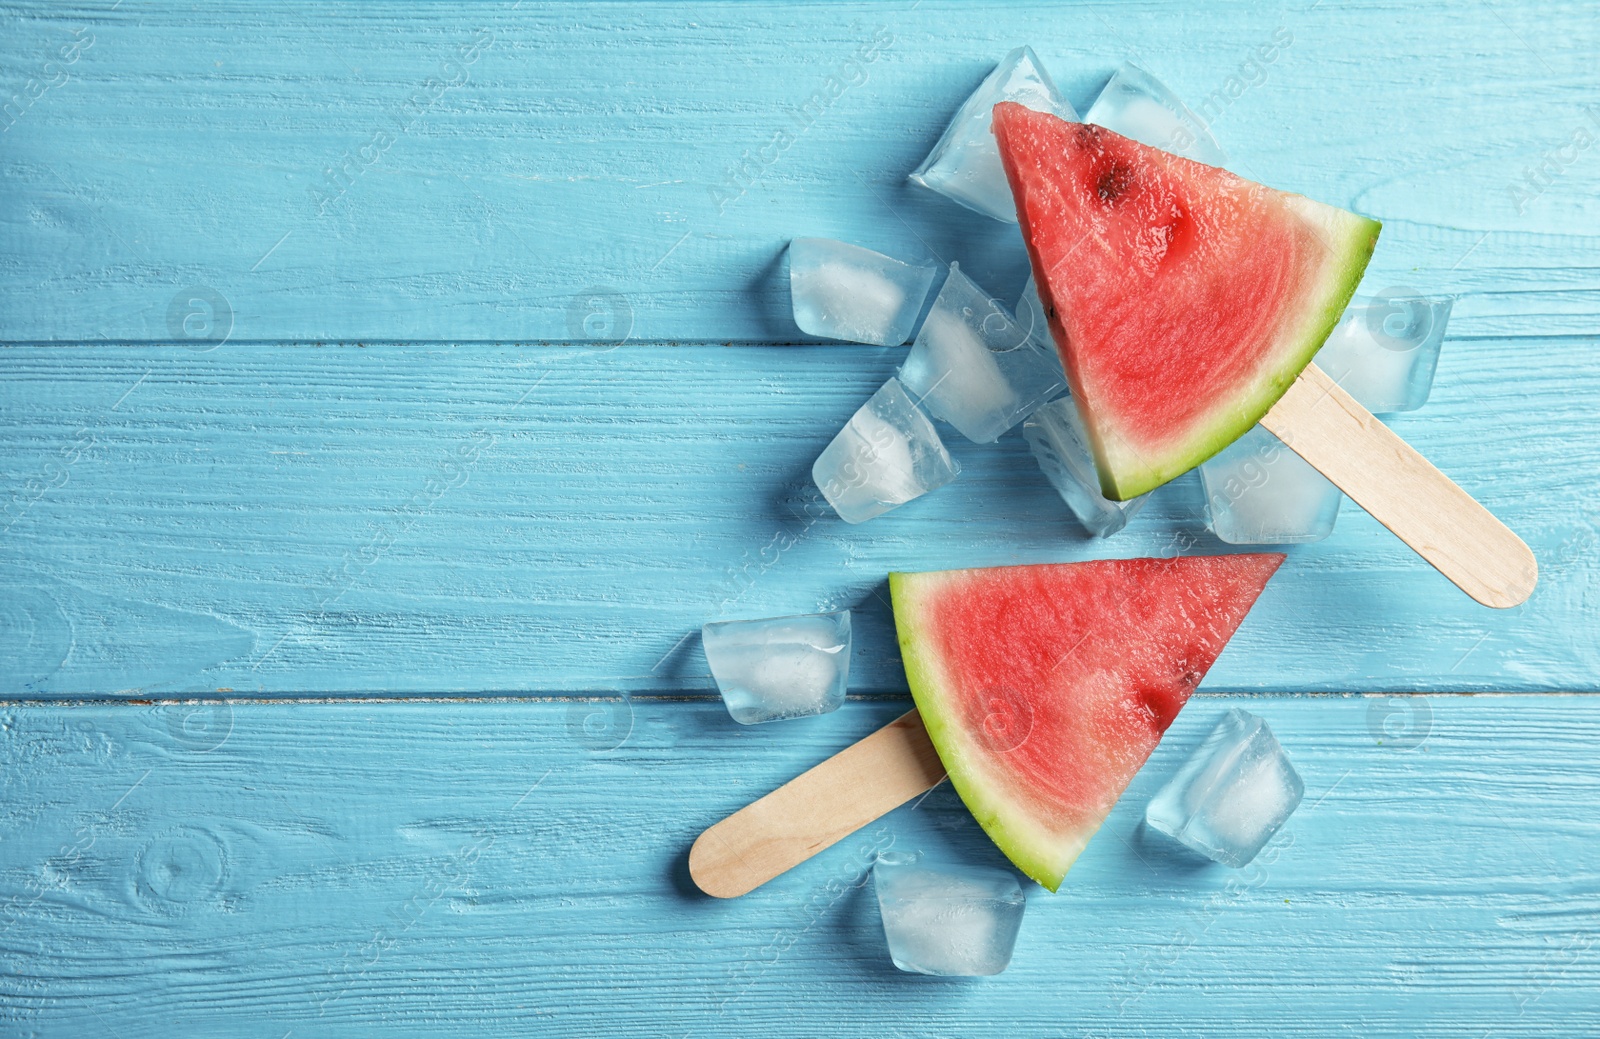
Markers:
(1184, 300)
(1045, 687)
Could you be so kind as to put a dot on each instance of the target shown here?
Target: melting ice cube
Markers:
(1258, 492)
(1135, 104)
(975, 367)
(1055, 433)
(1385, 348)
(965, 164)
(782, 667)
(888, 454)
(1232, 794)
(959, 921)
(843, 291)
(1030, 315)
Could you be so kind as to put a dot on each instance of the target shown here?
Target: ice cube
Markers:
(843, 291)
(1232, 794)
(888, 454)
(974, 367)
(1055, 433)
(1258, 492)
(1135, 104)
(965, 164)
(1030, 315)
(1385, 348)
(956, 921)
(781, 667)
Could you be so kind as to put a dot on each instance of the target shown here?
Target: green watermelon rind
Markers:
(923, 675)
(1360, 235)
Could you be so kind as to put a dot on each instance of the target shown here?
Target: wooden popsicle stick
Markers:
(816, 809)
(1383, 474)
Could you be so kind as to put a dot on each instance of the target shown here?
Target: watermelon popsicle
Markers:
(1187, 304)
(1040, 691)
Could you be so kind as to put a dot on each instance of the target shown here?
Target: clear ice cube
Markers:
(949, 920)
(888, 454)
(1135, 104)
(843, 291)
(1385, 348)
(1056, 435)
(1030, 315)
(975, 367)
(1232, 794)
(1258, 492)
(965, 164)
(781, 667)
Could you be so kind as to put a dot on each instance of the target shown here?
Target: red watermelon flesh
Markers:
(1045, 687)
(1184, 299)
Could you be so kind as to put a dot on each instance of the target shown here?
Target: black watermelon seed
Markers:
(1114, 182)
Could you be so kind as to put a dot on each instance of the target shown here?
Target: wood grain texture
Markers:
(436, 869)
(433, 508)
(1404, 491)
(292, 520)
(817, 809)
(343, 171)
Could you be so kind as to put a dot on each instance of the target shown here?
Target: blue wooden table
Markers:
(391, 391)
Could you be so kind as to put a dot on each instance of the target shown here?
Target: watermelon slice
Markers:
(1045, 687)
(1184, 300)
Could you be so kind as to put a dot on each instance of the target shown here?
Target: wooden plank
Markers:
(497, 171)
(292, 520)
(339, 869)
